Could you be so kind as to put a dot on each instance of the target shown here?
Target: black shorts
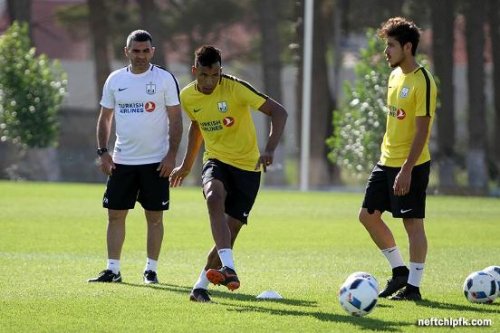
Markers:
(131, 183)
(379, 194)
(241, 187)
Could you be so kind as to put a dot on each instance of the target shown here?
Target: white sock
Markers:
(226, 257)
(393, 256)
(202, 282)
(114, 265)
(151, 265)
(416, 271)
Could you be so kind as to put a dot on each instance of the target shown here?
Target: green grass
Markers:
(303, 245)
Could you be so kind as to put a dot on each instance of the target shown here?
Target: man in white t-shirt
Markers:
(144, 101)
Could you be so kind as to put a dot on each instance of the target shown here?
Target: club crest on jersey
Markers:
(404, 92)
(150, 88)
(149, 106)
(222, 106)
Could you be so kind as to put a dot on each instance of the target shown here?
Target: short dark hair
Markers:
(139, 36)
(401, 29)
(207, 55)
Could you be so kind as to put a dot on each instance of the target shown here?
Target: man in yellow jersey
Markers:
(219, 108)
(399, 180)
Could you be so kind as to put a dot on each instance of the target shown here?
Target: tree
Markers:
(271, 48)
(442, 17)
(99, 28)
(31, 91)
(150, 20)
(494, 21)
(476, 153)
(360, 121)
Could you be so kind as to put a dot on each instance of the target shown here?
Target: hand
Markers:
(402, 183)
(166, 165)
(106, 164)
(265, 159)
(177, 176)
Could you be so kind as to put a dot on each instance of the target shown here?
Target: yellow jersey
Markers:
(225, 120)
(409, 96)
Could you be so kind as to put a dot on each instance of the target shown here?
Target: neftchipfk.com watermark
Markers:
(454, 322)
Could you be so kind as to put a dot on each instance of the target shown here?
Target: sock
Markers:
(416, 271)
(226, 257)
(151, 265)
(393, 256)
(202, 282)
(114, 265)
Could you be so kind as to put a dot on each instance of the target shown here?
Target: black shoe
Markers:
(199, 295)
(225, 276)
(107, 276)
(150, 277)
(407, 294)
(394, 284)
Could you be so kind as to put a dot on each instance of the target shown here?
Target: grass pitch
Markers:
(303, 245)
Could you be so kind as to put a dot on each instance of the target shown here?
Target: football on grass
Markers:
(358, 296)
(480, 287)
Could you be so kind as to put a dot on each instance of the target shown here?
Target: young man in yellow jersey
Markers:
(219, 107)
(399, 180)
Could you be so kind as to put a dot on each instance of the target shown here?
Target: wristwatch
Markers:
(101, 151)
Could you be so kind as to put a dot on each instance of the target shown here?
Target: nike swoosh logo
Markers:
(116, 278)
(245, 214)
(403, 211)
(122, 89)
(419, 269)
(196, 110)
(164, 203)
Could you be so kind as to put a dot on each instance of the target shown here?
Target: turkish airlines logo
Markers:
(228, 121)
(149, 106)
(400, 114)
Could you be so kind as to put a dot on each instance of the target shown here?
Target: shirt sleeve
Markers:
(108, 96)
(423, 97)
(172, 90)
(249, 95)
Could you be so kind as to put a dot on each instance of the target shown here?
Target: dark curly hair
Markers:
(401, 29)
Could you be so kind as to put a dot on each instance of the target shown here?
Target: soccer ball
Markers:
(480, 287)
(495, 272)
(358, 296)
(364, 275)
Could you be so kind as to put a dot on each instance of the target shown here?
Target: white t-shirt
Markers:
(140, 102)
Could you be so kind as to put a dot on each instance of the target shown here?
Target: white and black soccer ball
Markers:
(480, 287)
(495, 272)
(364, 275)
(358, 296)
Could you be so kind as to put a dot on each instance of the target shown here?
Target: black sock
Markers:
(412, 288)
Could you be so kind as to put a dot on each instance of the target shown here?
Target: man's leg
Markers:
(115, 236)
(199, 292)
(418, 252)
(384, 239)
(154, 221)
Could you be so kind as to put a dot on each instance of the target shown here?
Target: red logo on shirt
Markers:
(228, 121)
(400, 114)
(149, 106)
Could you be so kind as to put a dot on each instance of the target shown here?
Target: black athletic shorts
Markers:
(241, 187)
(379, 194)
(131, 183)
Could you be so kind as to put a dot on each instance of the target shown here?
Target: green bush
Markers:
(31, 90)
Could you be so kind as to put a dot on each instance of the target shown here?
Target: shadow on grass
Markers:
(482, 308)
(224, 294)
(362, 322)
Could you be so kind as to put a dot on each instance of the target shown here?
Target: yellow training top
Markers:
(409, 96)
(225, 120)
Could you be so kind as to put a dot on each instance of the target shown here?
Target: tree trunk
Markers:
(322, 103)
(494, 20)
(98, 21)
(271, 67)
(150, 21)
(442, 16)
(476, 154)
